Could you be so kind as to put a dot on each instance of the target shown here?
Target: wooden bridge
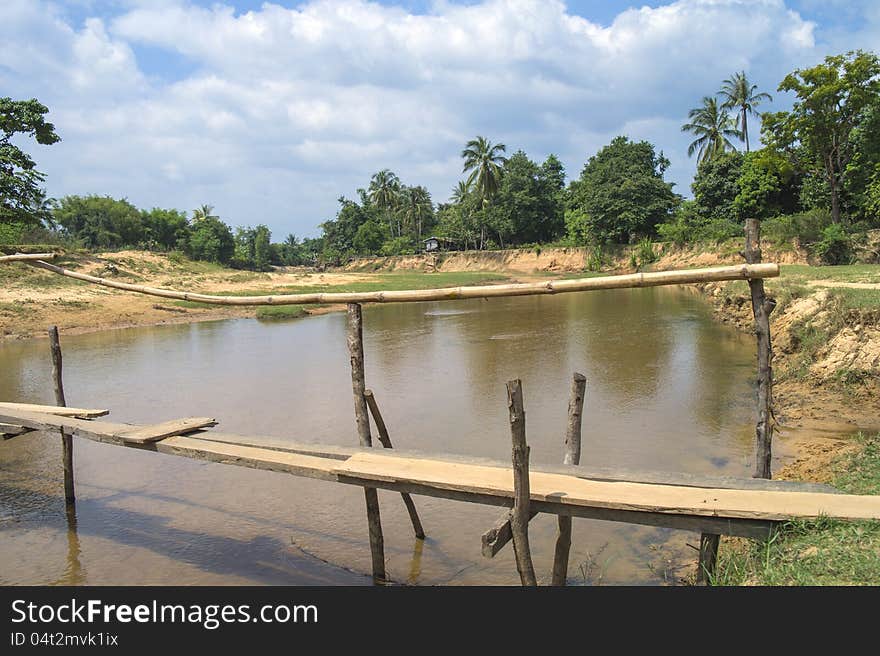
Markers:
(710, 505)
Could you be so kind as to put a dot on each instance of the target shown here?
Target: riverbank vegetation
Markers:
(821, 552)
(814, 181)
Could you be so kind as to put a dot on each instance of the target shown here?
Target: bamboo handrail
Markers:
(652, 279)
(24, 257)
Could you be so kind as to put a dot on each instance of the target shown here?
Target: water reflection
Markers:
(667, 388)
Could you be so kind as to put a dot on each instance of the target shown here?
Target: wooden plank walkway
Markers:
(744, 507)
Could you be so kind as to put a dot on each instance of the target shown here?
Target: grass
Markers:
(843, 273)
(819, 552)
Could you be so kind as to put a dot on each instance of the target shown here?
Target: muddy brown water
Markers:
(668, 389)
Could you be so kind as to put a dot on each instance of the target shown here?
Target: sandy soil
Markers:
(34, 299)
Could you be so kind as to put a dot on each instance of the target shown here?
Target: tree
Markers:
(833, 99)
(203, 212)
(22, 200)
(712, 126)
(211, 240)
(484, 161)
(262, 248)
(738, 93)
(384, 193)
(416, 209)
(165, 228)
(715, 186)
(100, 221)
(621, 194)
(460, 192)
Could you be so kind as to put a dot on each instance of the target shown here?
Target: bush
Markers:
(645, 252)
(806, 227)
(400, 246)
(835, 246)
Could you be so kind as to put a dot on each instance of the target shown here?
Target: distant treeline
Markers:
(815, 179)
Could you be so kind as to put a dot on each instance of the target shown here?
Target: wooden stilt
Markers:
(385, 439)
(572, 457)
(66, 439)
(761, 309)
(708, 558)
(519, 521)
(356, 353)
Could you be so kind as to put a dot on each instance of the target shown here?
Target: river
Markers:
(668, 388)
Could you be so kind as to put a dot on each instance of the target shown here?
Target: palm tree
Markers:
(203, 212)
(384, 192)
(712, 125)
(484, 160)
(460, 192)
(738, 93)
(415, 207)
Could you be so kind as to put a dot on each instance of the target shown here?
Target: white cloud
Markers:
(282, 110)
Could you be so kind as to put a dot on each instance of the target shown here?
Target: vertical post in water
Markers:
(519, 520)
(572, 457)
(66, 440)
(356, 353)
(761, 309)
(708, 558)
(385, 440)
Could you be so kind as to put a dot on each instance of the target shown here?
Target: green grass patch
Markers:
(857, 299)
(820, 552)
(843, 273)
(281, 312)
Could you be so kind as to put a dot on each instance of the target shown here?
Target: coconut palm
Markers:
(738, 93)
(460, 192)
(384, 192)
(204, 212)
(712, 125)
(484, 161)
(415, 206)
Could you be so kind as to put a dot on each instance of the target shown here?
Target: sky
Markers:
(272, 111)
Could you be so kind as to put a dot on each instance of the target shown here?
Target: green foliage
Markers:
(834, 247)
(803, 227)
(400, 246)
(22, 200)
(645, 252)
(12, 232)
(369, 237)
(165, 229)
(716, 185)
(713, 126)
(766, 186)
(211, 240)
(101, 221)
(833, 102)
(620, 195)
(484, 161)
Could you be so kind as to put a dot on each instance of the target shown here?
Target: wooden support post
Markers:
(66, 440)
(572, 457)
(708, 558)
(385, 439)
(371, 496)
(761, 309)
(519, 521)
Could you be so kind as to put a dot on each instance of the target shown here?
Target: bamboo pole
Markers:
(385, 439)
(519, 521)
(371, 496)
(651, 279)
(66, 439)
(24, 257)
(761, 309)
(572, 457)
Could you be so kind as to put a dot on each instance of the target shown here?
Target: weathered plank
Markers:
(565, 490)
(155, 432)
(11, 430)
(82, 413)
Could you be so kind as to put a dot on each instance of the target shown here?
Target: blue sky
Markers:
(272, 111)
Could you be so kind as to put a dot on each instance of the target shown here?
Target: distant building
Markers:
(432, 244)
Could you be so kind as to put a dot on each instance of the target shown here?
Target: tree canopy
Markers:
(22, 199)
